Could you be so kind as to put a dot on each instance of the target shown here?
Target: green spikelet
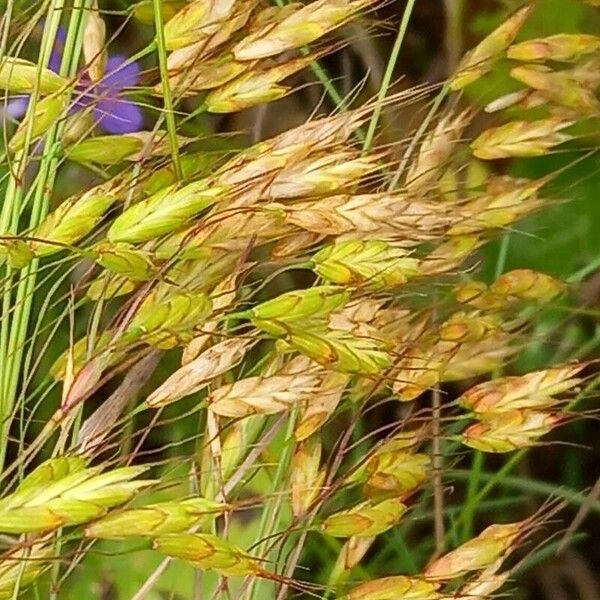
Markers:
(74, 219)
(47, 112)
(125, 260)
(277, 315)
(206, 551)
(20, 76)
(164, 212)
(165, 320)
(155, 519)
(64, 493)
(341, 350)
(374, 263)
(15, 252)
(364, 520)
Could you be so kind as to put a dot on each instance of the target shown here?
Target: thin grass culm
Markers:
(297, 302)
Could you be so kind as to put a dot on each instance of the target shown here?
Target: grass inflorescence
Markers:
(275, 368)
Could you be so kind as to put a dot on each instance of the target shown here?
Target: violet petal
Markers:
(118, 76)
(116, 115)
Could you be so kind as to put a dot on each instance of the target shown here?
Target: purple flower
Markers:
(113, 112)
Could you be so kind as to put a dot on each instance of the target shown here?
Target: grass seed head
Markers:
(74, 498)
(393, 588)
(198, 373)
(126, 260)
(536, 390)
(527, 285)
(264, 395)
(255, 86)
(365, 520)
(319, 409)
(47, 112)
(521, 139)
(154, 520)
(559, 47)
(207, 552)
(396, 474)
(476, 554)
(479, 61)
(199, 19)
(21, 76)
(341, 351)
(75, 218)
(316, 304)
(374, 263)
(558, 87)
(501, 432)
(307, 478)
(290, 29)
(164, 212)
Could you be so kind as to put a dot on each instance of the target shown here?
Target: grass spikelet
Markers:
(114, 149)
(476, 554)
(75, 218)
(479, 61)
(536, 390)
(374, 263)
(198, 373)
(500, 432)
(294, 28)
(155, 519)
(208, 552)
(521, 138)
(164, 212)
(388, 588)
(47, 111)
(200, 19)
(307, 478)
(71, 497)
(559, 47)
(365, 520)
(276, 316)
(526, 284)
(264, 395)
(557, 87)
(21, 76)
(126, 260)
